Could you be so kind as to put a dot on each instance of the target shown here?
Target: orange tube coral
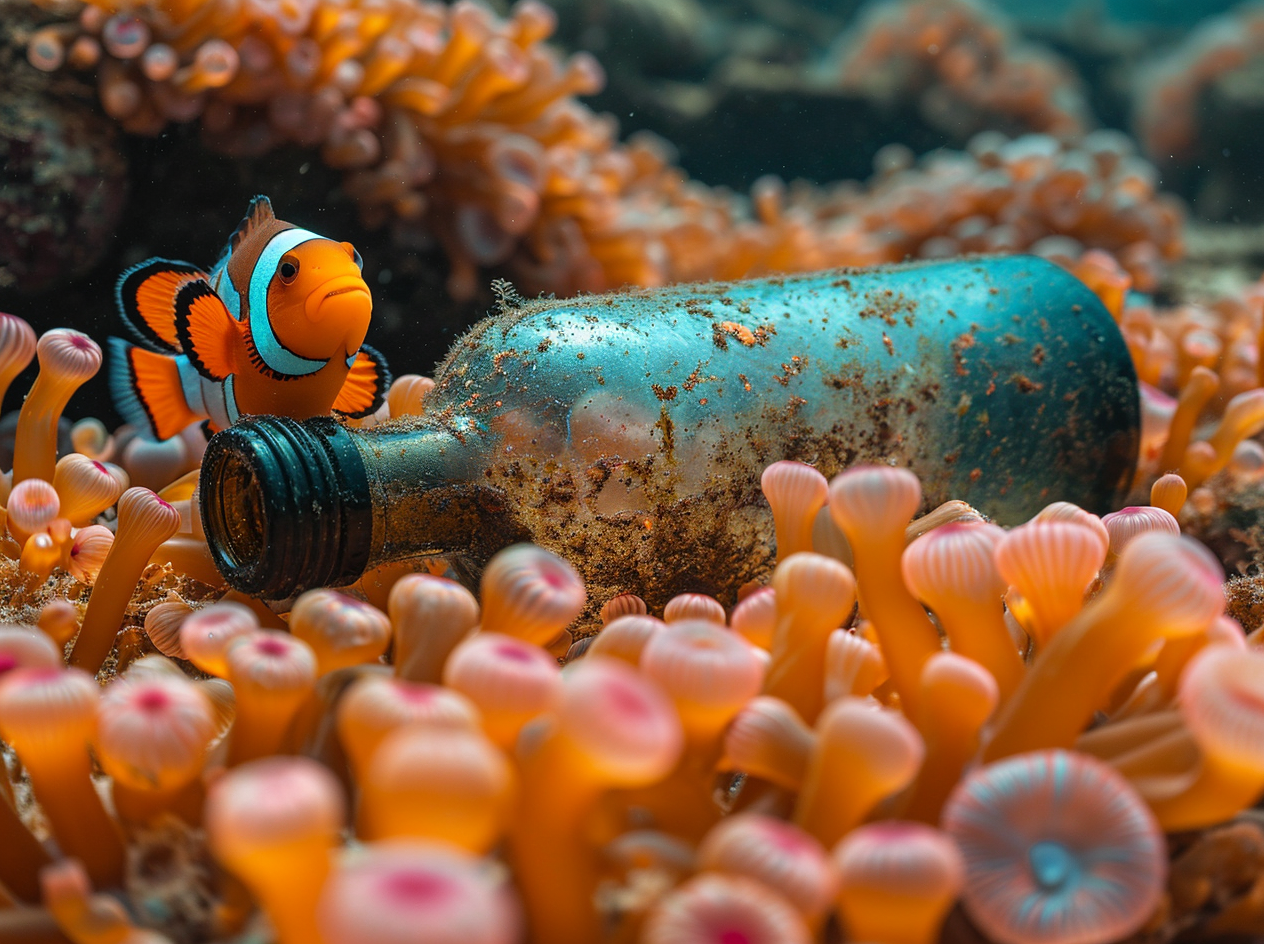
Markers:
(31, 506)
(1127, 523)
(403, 893)
(853, 666)
(530, 593)
(429, 616)
(447, 784)
(48, 716)
(958, 697)
(510, 681)
(86, 488)
(1163, 586)
(897, 882)
(272, 674)
(755, 618)
(612, 729)
(375, 705)
(625, 638)
(274, 823)
(625, 604)
(863, 755)
(1057, 848)
(24, 647)
(206, 635)
(709, 674)
(67, 359)
(795, 492)
(1169, 492)
(17, 347)
(88, 551)
(694, 606)
(152, 736)
(85, 917)
(872, 505)
(162, 625)
(341, 630)
(953, 571)
(814, 595)
(723, 908)
(1195, 394)
(59, 620)
(769, 740)
(144, 522)
(1221, 694)
(776, 854)
(1051, 564)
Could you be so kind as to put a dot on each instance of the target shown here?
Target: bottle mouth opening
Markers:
(285, 505)
(231, 499)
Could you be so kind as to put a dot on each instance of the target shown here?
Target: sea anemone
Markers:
(896, 882)
(1058, 849)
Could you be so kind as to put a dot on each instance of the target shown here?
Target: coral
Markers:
(1170, 86)
(964, 64)
(457, 126)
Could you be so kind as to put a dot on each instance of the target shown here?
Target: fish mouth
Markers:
(348, 288)
(343, 297)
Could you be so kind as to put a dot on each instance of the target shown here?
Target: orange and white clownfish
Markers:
(277, 326)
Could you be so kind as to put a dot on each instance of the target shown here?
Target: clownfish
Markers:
(277, 326)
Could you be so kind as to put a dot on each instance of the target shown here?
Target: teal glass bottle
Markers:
(627, 432)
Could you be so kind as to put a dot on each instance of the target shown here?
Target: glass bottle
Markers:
(627, 432)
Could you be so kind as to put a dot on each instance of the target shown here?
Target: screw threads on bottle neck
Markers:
(285, 505)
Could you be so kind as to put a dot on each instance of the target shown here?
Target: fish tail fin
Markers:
(147, 391)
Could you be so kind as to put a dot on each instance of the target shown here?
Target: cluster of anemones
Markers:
(914, 711)
(1201, 378)
(1169, 88)
(456, 124)
(964, 65)
(1030, 193)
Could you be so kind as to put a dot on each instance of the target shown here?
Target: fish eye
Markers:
(288, 269)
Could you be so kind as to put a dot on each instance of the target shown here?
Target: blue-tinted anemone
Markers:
(1058, 848)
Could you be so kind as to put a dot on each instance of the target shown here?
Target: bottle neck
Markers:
(289, 505)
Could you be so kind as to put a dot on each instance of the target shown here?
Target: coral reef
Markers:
(964, 64)
(456, 125)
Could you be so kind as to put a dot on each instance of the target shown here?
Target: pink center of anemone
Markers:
(271, 647)
(554, 577)
(787, 839)
(415, 695)
(732, 936)
(416, 889)
(7, 662)
(81, 342)
(152, 700)
(626, 700)
(513, 653)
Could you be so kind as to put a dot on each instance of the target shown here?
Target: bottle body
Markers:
(628, 432)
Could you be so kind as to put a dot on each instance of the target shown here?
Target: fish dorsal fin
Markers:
(146, 298)
(365, 387)
(258, 215)
(206, 330)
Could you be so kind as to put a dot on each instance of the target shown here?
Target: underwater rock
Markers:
(63, 179)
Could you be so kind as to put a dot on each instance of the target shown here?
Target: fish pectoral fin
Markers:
(206, 330)
(146, 389)
(365, 387)
(146, 297)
